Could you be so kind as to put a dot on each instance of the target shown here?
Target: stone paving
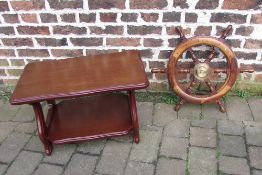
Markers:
(198, 140)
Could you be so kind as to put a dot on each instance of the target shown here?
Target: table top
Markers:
(73, 77)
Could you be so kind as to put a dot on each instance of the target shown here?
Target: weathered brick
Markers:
(219, 30)
(33, 30)
(66, 30)
(172, 31)
(108, 17)
(171, 16)
(165, 54)
(11, 18)
(2, 72)
(158, 64)
(256, 18)
(73, 4)
(3, 62)
(86, 41)
(151, 42)
(15, 72)
(7, 30)
(244, 30)
(146, 53)
(29, 18)
(52, 42)
(258, 77)
(16, 62)
(129, 17)
(97, 4)
(33, 52)
(67, 52)
(240, 4)
(68, 17)
(123, 41)
(7, 52)
(17, 42)
(234, 43)
(256, 67)
(190, 17)
(88, 18)
(143, 4)
(96, 52)
(4, 6)
(246, 55)
(180, 3)
(253, 44)
(114, 30)
(48, 18)
(150, 17)
(173, 42)
(227, 17)
(143, 30)
(207, 4)
(28, 5)
(203, 30)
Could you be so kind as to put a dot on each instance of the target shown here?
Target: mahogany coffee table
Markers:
(106, 112)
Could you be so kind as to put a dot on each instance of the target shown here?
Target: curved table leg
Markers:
(132, 104)
(41, 127)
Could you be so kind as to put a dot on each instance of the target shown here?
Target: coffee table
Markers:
(88, 97)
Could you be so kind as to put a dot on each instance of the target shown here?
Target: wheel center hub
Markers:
(201, 71)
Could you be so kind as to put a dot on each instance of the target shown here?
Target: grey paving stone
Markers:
(232, 165)
(163, 114)
(145, 113)
(125, 138)
(152, 128)
(177, 128)
(27, 128)
(3, 167)
(202, 161)
(253, 133)
(135, 168)
(7, 111)
(44, 169)
(174, 147)
(146, 150)
(12, 146)
(170, 167)
(61, 154)
(81, 164)
(230, 127)
(255, 154)
(256, 172)
(238, 109)
(35, 144)
(24, 114)
(25, 163)
(6, 128)
(211, 124)
(114, 158)
(203, 137)
(211, 111)
(189, 111)
(232, 146)
(93, 147)
(255, 106)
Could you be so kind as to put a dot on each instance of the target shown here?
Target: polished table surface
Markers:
(73, 77)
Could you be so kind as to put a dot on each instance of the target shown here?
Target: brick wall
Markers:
(54, 29)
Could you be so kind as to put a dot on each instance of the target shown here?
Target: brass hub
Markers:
(201, 71)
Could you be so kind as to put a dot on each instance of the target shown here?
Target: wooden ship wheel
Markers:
(202, 78)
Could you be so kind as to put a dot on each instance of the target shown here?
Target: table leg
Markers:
(41, 127)
(132, 104)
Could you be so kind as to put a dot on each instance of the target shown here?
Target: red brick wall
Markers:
(55, 29)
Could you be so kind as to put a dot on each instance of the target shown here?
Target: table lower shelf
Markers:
(89, 118)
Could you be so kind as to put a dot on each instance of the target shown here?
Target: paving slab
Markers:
(255, 106)
(3, 168)
(145, 113)
(44, 169)
(11, 147)
(146, 150)
(210, 124)
(35, 144)
(114, 158)
(256, 172)
(189, 111)
(125, 138)
(255, 155)
(232, 165)
(230, 127)
(25, 163)
(211, 112)
(170, 167)
(163, 114)
(135, 168)
(202, 161)
(81, 164)
(61, 154)
(174, 147)
(6, 128)
(7, 112)
(203, 137)
(92, 147)
(253, 133)
(232, 146)
(238, 109)
(177, 128)
(27, 128)
(24, 114)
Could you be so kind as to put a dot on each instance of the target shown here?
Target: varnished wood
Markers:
(132, 103)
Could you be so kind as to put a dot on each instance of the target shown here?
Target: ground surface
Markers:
(198, 140)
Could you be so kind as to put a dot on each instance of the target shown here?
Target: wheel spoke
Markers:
(220, 70)
(191, 85)
(194, 58)
(211, 55)
(210, 86)
(183, 70)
